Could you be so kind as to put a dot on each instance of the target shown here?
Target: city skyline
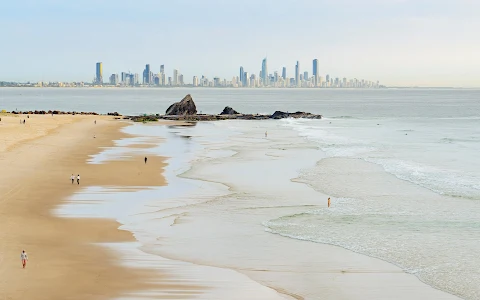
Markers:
(244, 78)
(400, 42)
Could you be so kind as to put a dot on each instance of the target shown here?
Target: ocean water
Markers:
(401, 167)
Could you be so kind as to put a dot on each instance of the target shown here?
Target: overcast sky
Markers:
(398, 42)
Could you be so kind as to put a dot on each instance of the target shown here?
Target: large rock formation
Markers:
(184, 107)
(229, 111)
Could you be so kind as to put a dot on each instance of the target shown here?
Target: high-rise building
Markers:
(246, 79)
(99, 73)
(195, 81)
(284, 73)
(148, 71)
(297, 74)
(264, 75)
(162, 68)
(175, 77)
(147, 75)
(327, 79)
(135, 79)
(114, 79)
(305, 76)
(242, 73)
(315, 72)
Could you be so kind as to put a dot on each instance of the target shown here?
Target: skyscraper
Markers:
(99, 73)
(162, 68)
(284, 73)
(114, 79)
(175, 77)
(315, 72)
(264, 72)
(297, 74)
(242, 73)
(147, 75)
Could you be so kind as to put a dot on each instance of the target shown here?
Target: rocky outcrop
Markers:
(299, 114)
(184, 107)
(276, 115)
(229, 111)
(144, 119)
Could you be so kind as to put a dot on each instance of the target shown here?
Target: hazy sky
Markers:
(399, 42)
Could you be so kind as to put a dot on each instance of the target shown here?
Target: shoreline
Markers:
(65, 261)
(358, 268)
(333, 262)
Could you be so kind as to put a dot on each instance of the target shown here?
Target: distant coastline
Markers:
(90, 86)
(28, 85)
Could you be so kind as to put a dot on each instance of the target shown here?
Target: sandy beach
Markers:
(36, 162)
(207, 234)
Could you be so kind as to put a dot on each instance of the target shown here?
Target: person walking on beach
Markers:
(145, 159)
(95, 122)
(328, 201)
(266, 134)
(78, 179)
(72, 178)
(24, 258)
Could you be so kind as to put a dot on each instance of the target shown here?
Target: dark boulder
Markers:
(184, 107)
(229, 111)
(279, 115)
(299, 114)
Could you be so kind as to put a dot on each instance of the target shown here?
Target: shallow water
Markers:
(400, 167)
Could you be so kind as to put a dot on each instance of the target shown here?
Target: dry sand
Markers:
(36, 162)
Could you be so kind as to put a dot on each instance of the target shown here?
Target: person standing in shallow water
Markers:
(145, 159)
(329, 202)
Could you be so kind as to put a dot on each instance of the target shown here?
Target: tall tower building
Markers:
(99, 73)
(284, 73)
(162, 68)
(242, 73)
(297, 74)
(264, 71)
(175, 77)
(147, 75)
(315, 72)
